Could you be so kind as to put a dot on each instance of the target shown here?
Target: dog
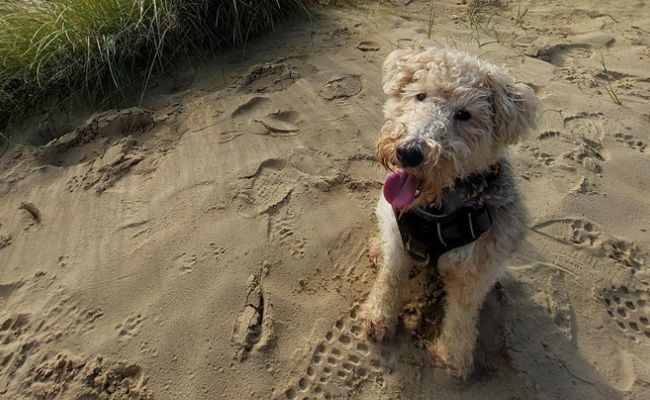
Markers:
(450, 200)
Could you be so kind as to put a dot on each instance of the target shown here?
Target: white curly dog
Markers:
(450, 201)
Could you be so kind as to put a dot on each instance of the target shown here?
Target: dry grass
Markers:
(608, 85)
(482, 20)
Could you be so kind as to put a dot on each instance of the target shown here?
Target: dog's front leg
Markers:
(380, 310)
(468, 274)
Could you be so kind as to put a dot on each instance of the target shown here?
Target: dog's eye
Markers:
(462, 115)
(421, 96)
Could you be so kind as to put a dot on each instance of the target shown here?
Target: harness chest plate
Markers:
(427, 235)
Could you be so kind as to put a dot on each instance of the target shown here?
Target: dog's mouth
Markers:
(401, 188)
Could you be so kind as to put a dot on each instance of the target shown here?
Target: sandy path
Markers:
(213, 244)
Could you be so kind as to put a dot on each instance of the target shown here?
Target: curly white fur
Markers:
(425, 88)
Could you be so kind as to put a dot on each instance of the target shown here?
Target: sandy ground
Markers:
(213, 244)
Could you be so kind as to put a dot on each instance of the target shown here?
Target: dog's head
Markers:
(449, 114)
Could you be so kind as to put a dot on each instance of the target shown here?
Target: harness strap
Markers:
(427, 235)
(426, 238)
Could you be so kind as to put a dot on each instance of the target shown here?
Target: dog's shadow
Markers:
(521, 353)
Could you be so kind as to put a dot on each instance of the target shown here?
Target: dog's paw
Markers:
(456, 364)
(378, 324)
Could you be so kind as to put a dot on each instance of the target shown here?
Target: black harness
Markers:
(428, 232)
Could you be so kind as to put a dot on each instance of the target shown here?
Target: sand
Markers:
(213, 243)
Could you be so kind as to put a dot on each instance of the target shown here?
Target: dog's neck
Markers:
(465, 191)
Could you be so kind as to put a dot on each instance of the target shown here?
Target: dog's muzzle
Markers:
(410, 154)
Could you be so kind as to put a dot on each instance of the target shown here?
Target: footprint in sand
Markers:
(340, 364)
(270, 77)
(147, 350)
(637, 87)
(216, 250)
(347, 253)
(243, 117)
(325, 171)
(105, 171)
(368, 45)
(130, 327)
(542, 156)
(68, 318)
(585, 126)
(112, 144)
(625, 84)
(584, 232)
(559, 305)
(274, 77)
(184, 262)
(109, 145)
(90, 139)
(629, 309)
(89, 378)
(28, 365)
(62, 261)
(253, 105)
(569, 58)
(586, 129)
(13, 327)
(282, 231)
(624, 253)
(280, 123)
(339, 36)
(312, 162)
(575, 61)
(589, 236)
(7, 289)
(259, 115)
(549, 134)
(562, 54)
(338, 85)
(267, 189)
(584, 186)
(5, 241)
(261, 190)
(631, 142)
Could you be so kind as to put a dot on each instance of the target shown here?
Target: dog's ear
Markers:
(396, 72)
(516, 108)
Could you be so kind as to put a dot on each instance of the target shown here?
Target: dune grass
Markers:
(485, 26)
(64, 49)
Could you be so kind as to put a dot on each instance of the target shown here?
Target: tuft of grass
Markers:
(481, 20)
(381, 10)
(59, 49)
(519, 21)
(431, 21)
(608, 85)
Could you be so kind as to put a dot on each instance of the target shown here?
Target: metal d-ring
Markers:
(417, 259)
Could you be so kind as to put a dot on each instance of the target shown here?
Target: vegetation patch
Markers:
(58, 49)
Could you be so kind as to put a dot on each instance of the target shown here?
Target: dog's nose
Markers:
(410, 155)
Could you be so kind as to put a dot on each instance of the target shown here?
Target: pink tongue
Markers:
(399, 188)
